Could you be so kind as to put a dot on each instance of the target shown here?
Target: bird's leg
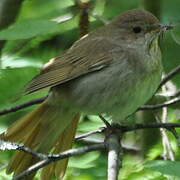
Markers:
(112, 128)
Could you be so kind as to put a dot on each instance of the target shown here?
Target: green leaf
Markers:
(165, 167)
(28, 29)
(175, 33)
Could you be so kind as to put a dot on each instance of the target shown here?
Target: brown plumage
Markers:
(42, 129)
(86, 55)
(112, 70)
(72, 65)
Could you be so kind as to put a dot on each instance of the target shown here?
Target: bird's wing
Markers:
(85, 56)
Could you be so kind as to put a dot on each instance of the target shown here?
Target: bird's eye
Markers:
(137, 29)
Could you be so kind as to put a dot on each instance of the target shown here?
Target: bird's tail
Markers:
(47, 127)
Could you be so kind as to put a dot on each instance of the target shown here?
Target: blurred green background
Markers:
(46, 28)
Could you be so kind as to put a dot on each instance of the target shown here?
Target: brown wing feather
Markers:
(72, 65)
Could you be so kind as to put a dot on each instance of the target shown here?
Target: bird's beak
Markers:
(159, 28)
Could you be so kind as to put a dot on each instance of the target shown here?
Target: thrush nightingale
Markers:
(112, 70)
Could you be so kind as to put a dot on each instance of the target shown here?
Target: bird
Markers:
(113, 70)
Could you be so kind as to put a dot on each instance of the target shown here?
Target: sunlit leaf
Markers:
(10, 61)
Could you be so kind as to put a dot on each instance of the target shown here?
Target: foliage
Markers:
(165, 167)
(45, 29)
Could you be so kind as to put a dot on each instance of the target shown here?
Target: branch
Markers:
(56, 157)
(169, 76)
(90, 140)
(114, 156)
(84, 135)
(22, 106)
(113, 145)
(158, 106)
(6, 145)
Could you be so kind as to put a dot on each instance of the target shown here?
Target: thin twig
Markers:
(158, 106)
(84, 135)
(6, 145)
(53, 158)
(90, 140)
(105, 121)
(22, 106)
